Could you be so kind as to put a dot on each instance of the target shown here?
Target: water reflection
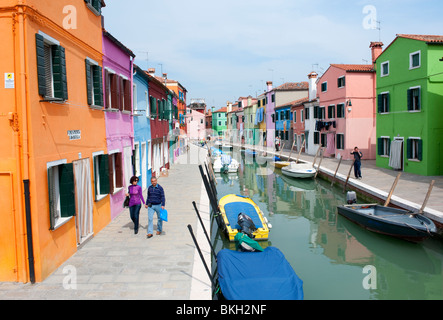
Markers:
(326, 250)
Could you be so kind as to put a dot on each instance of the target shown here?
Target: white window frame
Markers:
(384, 93)
(419, 60)
(381, 69)
(386, 142)
(343, 141)
(420, 97)
(321, 86)
(50, 165)
(342, 77)
(414, 151)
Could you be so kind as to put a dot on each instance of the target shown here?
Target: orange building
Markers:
(53, 133)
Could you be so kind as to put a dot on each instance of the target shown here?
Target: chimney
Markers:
(312, 85)
(249, 101)
(269, 85)
(165, 76)
(376, 49)
(229, 105)
(151, 71)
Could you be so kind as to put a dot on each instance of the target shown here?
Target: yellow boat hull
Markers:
(262, 233)
(281, 164)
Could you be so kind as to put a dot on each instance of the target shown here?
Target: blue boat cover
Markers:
(263, 275)
(232, 210)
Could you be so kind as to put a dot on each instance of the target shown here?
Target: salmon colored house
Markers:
(52, 124)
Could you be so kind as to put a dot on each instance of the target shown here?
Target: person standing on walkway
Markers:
(357, 163)
(135, 194)
(155, 202)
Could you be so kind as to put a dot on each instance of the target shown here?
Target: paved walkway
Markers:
(409, 193)
(117, 264)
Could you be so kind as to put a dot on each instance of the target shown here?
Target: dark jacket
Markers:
(357, 155)
(156, 195)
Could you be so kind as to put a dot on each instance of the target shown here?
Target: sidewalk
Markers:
(117, 264)
(409, 193)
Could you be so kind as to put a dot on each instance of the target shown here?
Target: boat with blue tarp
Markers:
(232, 205)
(261, 275)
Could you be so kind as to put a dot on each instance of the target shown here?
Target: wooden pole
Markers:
(392, 190)
(292, 148)
(336, 170)
(316, 155)
(427, 197)
(319, 164)
(302, 146)
(349, 174)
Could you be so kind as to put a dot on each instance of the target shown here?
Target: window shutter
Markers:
(104, 173)
(98, 85)
(153, 107)
(121, 94)
(59, 72)
(409, 149)
(41, 73)
(419, 98)
(53, 215)
(118, 170)
(127, 95)
(409, 95)
(67, 190)
(88, 81)
(114, 92)
(107, 89)
(111, 173)
(380, 146)
(420, 150)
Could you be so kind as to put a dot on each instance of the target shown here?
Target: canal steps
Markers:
(376, 184)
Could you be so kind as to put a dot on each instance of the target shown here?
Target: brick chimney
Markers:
(376, 49)
(312, 85)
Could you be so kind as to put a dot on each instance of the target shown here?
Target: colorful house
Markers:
(251, 132)
(52, 126)
(195, 120)
(219, 121)
(118, 91)
(345, 117)
(158, 97)
(142, 128)
(280, 95)
(261, 118)
(312, 104)
(283, 124)
(298, 124)
(181, 93)
(409, 105)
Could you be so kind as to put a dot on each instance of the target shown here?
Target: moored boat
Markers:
(394, 222)
(299, 170)
(225, 164)
(231, 206)
(280, 164)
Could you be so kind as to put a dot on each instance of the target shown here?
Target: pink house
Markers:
(345, 117)
(195, 123)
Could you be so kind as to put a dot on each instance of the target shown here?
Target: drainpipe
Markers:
(24, 102)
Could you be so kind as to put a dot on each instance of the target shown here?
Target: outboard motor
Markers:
(246, 224)
(351, 197)
(225, 168)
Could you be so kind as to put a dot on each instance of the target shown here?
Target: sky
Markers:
(222, 50)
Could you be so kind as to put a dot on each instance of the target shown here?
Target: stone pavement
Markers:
(117, 264)
(409, 193)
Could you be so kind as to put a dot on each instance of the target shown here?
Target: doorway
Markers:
(84, 201)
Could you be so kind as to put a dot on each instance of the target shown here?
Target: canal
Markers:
(336, 259)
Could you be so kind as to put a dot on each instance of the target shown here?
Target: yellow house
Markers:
(53, 133)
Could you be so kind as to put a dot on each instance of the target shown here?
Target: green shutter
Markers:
(409, 149)
(104, 173)
(380, 146)
(388, 98)
(420, 150)
(153, 107)
(98, 85)
(52, 200)
(59, 72)
(67, 190)
(41, 73)
(380, 103)
(409, 95)
(89, 82)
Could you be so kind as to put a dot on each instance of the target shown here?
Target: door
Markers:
(8, 248)
(84, 201)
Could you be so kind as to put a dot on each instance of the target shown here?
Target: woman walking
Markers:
(135, 194)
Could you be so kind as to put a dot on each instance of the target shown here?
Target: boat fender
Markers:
(269, 226)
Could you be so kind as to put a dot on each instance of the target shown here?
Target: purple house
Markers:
(118, 91)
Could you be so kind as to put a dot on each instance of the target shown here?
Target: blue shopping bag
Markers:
(164, 215)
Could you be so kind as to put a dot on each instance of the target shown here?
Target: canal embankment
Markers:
(409, 193)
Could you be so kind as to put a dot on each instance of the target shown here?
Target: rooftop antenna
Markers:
(379, 30)
(147, 58)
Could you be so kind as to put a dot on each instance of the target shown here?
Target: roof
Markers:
(118, 43)
(224, 109)
(288, 86)
(294, 103)
(427, 38)
(355, 67)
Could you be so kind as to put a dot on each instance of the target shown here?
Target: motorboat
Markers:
(394, 222)
(225, 164)
(299, 170)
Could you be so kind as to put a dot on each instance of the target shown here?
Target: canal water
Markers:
(336, 259)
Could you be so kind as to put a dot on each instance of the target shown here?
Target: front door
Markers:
(84, 201)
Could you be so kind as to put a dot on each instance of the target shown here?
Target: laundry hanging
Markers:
(395, 156)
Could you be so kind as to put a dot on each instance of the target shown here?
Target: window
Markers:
(307, 113)
(302, 115)
(324, 140)
(116, 169)
(316, 137)
(383, 102)
(385, 69)
(101, 175)
(415, 60)
(384, 146)
(322, 113)
(340, 144)
(341, 82)
(331, 111)
(61, 192)
(147, 104)
(153, 103)
(273, 97)
(324, 86)
(415, 149)
(51, 68)
(295, 117)
(95, 6)
(94, 83)
(414, 99)
(117, 92)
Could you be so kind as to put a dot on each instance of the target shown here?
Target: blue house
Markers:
(142, 158)
(283, 126)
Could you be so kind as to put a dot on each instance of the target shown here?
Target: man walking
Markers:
(155, 202)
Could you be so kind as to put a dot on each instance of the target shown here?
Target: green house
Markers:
(219, 121)
(410, 105)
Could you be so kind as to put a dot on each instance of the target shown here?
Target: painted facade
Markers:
(118, 91)
(46, 161)
(409, 105)
(251, 129)
(219, 121)
(310, 122)
(142, 128)
(283, 125)
(298, 124)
